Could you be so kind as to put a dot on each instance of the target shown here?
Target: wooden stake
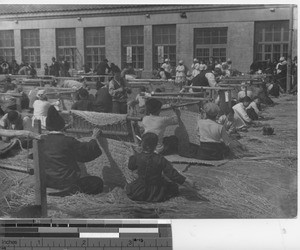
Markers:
(39, 172)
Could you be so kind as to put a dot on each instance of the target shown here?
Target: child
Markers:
(157, 125)
(214, 140)
(150, 185)
(241, 118)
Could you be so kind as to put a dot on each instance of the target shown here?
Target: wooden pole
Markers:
(39, 172)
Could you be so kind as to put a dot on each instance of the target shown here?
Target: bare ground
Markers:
(264, 187)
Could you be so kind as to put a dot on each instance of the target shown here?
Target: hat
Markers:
(282, 59)
(229, 60)
(246, 99)
(211, 109)
(40, 93)
(195, 60)
(153, 105)
(54, 122)
(149, 141)
(167, 60)
(181, 61)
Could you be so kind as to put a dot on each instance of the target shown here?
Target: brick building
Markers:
(146, 34)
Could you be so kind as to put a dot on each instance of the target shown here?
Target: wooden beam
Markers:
(29, 171)
(19, 134)
(179, 98)
(39, 172)
(177, 94)
(210, 88)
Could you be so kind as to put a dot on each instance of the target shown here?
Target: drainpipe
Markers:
(289, 61)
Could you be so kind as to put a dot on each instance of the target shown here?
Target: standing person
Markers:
(180, 74)
(54, 67)
(103, 100)
(295, 75)
(150, 185)
(156, 124)
(281, 71)
(168, 68)
(128, 72)
(62, 154)
(31, 70)
(119, 90)
(46, 69)
(102, 69)
(14, 67)
(162, 74)
(40, 108)
(211, 64)
(64, 68)
(23, 69)
(5, 67)
(84, 103)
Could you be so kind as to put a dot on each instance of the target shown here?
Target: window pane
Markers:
(66, 37)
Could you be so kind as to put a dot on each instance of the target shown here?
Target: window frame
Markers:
(31, 51)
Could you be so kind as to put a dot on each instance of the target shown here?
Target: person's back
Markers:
(200, 80)
(103, 100)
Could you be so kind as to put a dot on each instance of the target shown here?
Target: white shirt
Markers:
(242, 94)
(240, 112)
(158, 125)
(254, 106)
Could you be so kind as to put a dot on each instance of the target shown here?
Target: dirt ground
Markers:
(261, 186)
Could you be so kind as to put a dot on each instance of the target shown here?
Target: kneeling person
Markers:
(61, 155)
(150, 185)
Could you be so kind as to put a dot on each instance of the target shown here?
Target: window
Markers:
(7, 51)
(210, 42)
(164, 44)
(31, 47)
(271, 40)
(133, 46)
(94, 46)
(66, 46)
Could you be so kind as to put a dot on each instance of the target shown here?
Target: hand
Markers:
(96, 133)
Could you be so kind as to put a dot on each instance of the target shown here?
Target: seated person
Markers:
(214, 140)
(103, 100)
(141, 101)
(150, 185)
(128, 72)
(83, 103)
(13, 120)
(40, 107)
(61, 155)
(242, 93)
(253, 109)
(227, 120)
(157, 124)
(241, 118)
(9, 102)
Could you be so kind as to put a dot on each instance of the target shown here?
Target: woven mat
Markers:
(99, 119)
(183, 160)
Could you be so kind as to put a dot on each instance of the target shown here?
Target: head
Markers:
(243, 86)
(281, 59)
(45, 65)
(117, 75)
(13, 116)
(53, 59)
(142, 89)
(41, 95)
(256, 99)
(105, 60)
(83, 94)
(229, 61)
(167, 61)
(153, 106)
(149, 142)
(246, 101)
(202, 67)
(54, 122)
(180, 62)
(211, 110)
(195, 60)
(217, 71)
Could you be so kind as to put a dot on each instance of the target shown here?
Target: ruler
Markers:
(56, 234)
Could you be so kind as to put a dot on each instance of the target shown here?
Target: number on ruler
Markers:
(83, 244)
(130, 243)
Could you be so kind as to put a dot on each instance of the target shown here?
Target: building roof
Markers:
(24, 10)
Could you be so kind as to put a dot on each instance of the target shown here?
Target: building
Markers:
(145, 35)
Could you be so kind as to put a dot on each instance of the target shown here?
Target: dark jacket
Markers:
(103, 101)
(200, 80)
(150, 184)
(84, 105)
(54, 69)
(60, 155)
(101, 68)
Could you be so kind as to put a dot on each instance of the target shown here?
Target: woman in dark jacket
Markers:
(61, 155)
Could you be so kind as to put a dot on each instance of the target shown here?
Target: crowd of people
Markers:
(65, 155)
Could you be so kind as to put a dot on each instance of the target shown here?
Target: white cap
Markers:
(167, 60)
(40, 92)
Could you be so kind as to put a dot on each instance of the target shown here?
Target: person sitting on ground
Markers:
(154, 123)
(140, 99)
(227, 120)
(61, 155)
(13, 120)
(214, 140)
(151, 186)
(103, 100)
(119, 90)
(253, 110)
(241, 118)
(242, 93)
(41, 106)
(83, 103)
